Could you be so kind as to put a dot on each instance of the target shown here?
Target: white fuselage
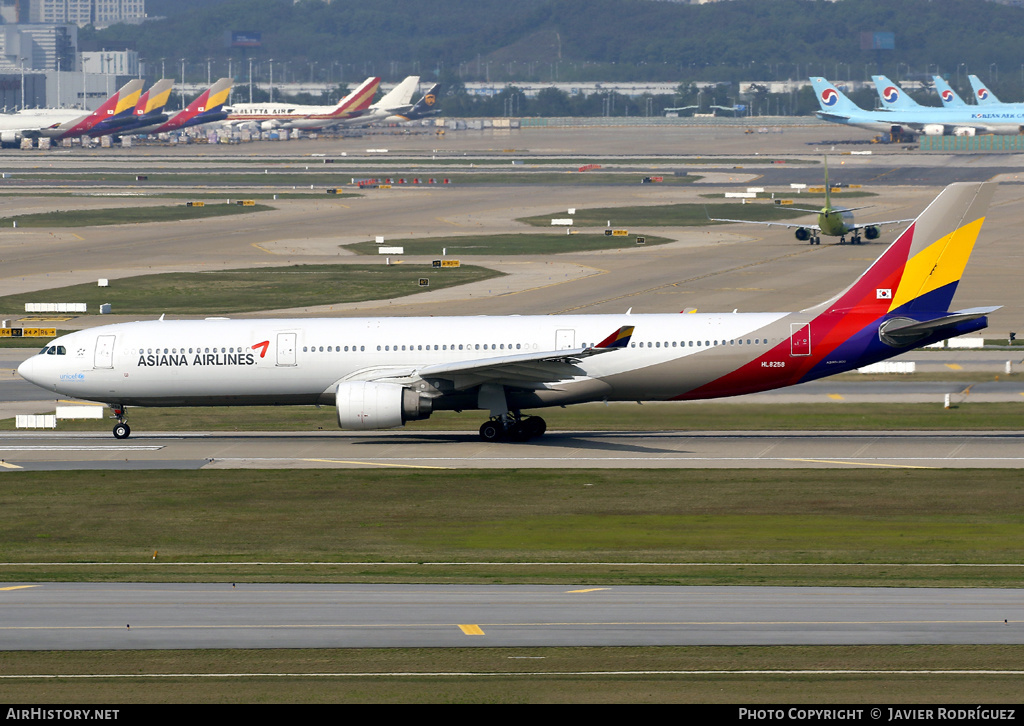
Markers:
(225, 362)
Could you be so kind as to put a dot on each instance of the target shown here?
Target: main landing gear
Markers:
(121, 430)
(513, 427)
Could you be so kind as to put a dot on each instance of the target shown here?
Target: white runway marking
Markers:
(99, 447)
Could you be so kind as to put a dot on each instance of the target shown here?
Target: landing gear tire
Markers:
(520, 429)
(492, 431)
(122, 431)
(535, 426)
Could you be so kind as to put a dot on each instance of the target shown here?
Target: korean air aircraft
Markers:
(983, 96)
(949, 97)
(987, 100)
(968, 121)
(892, 97)
(381, 372)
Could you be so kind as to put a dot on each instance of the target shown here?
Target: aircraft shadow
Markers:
(576, 441)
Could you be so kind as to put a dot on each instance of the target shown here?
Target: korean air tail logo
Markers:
(947, 95)
(982, 93)
(830, 97)
(891, 94)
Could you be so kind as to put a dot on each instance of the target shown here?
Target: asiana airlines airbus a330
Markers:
(382, 372)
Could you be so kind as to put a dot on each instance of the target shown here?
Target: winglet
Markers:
(618, 339)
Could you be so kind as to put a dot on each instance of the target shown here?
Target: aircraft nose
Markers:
(29, 370)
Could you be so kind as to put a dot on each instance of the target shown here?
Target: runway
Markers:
(561, 449)
(90, 616)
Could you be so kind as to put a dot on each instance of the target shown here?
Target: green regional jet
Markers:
(832, 222)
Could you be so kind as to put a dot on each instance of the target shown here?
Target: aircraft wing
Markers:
(879, 224)
(523, 369)
(790, 225)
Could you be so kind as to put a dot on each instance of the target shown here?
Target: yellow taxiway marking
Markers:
(835, 397)
(5, 465)
(261, 247)
(592, 589)
(471, 630)
(374, 463)
(954, 367)
(861, 463)
(447, 221)
(18, 587)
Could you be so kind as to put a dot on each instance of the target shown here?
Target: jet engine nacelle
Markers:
(9, 138)
(933, 130)
(872, 232)
(269, 125)
(964, 131)
(366, 405)
(802, 234)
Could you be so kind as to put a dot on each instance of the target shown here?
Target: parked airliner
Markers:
(963, 121)
(381, 372)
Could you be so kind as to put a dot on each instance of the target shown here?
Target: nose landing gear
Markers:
(121, 430)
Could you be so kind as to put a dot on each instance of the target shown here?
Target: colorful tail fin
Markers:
(982, 96)
(358, 101)
(205, 108)
(949, 97)
(152, 102)
(124, 99)
(920, 271)
(831, 99)
(892, 96)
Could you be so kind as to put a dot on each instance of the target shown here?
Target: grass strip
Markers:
(511, 244)
(541, 675)
(669, 215)
(234, 291)
(128, 215)
(746, 526)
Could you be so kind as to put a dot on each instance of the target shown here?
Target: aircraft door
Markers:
(104, 357)
(286, 349)
(565, 339)
(799, 339)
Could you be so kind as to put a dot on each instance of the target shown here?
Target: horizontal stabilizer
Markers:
(903, 332)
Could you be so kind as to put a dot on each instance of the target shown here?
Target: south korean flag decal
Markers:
(883, 294)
